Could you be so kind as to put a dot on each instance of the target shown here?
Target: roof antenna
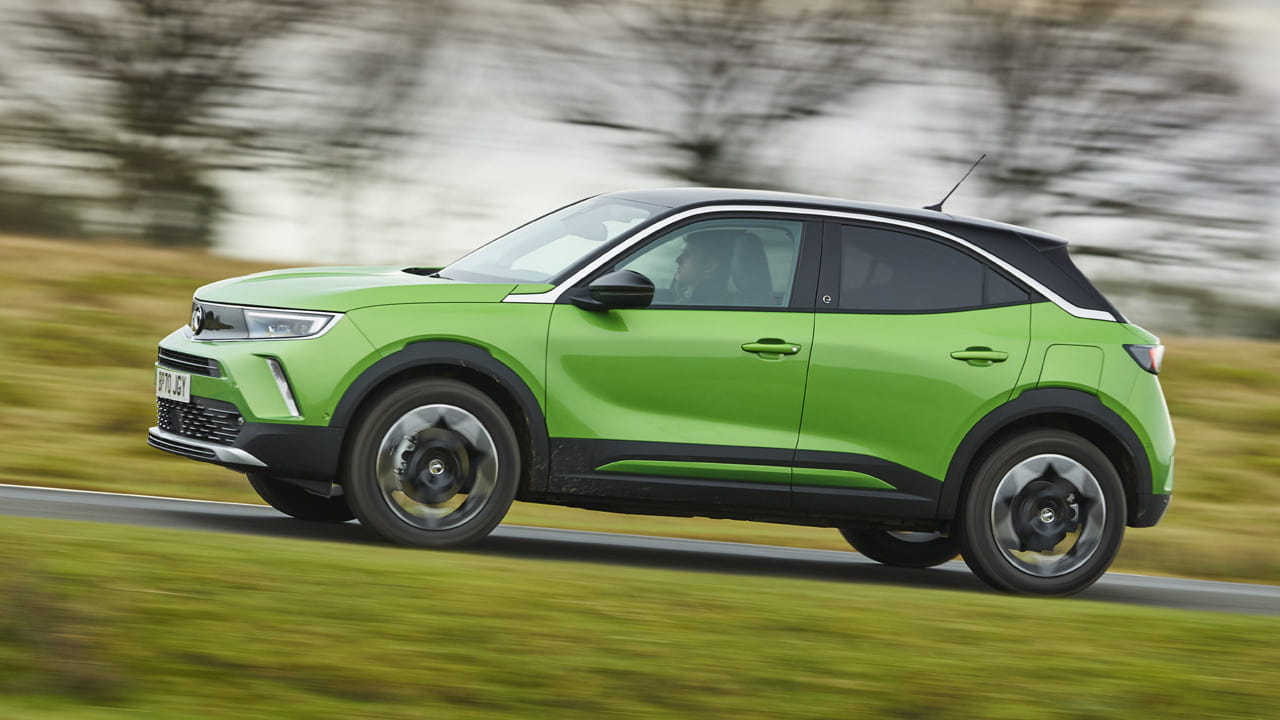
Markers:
(938, 206)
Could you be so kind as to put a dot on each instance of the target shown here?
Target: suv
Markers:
(928, 384)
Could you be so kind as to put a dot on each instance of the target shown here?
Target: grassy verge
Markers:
(79, 323)
(100, 622)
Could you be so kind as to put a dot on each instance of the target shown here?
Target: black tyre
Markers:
(293, 500)
(1044, 514)
(903, 549)
(433, 463)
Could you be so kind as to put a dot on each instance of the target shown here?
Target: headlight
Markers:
(265, 324)
(210, 321)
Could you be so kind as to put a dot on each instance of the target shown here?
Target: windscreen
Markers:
(547, 248)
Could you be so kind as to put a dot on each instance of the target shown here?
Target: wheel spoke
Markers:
(1047, 515)
(437, 467)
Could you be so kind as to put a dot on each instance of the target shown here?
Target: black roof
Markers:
(1040, 255)
(690, 197)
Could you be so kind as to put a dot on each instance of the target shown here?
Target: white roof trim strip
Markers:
(553, 295)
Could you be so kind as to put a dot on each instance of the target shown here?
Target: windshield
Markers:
(550, 246)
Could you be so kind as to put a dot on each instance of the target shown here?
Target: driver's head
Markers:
(705, 258)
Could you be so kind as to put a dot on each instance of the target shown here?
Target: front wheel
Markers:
(432, 463)
(1044, 515)
(903, 549)
(297, 502)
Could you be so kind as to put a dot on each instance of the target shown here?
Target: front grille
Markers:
(193, 364)
(200, 419)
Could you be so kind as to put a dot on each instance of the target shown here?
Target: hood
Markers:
(340, 289)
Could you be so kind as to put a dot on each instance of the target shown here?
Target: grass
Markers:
(79, 323)
(102, 622)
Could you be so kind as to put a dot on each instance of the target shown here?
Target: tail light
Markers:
(1148, 357)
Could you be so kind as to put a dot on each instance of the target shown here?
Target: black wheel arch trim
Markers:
(1052, 401)
(463, 356)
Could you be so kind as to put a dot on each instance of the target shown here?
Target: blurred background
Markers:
(410, 131)
(148, 147)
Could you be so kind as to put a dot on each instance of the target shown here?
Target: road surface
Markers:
(617, 549)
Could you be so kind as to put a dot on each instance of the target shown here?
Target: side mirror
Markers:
(616, 290)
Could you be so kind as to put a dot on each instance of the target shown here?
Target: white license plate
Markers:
(172, 385)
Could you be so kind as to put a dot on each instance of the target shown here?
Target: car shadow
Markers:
(853, 568)
(605, 548)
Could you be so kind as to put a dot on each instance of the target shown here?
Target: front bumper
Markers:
(263, 405)
(201, 449)
(304, 453)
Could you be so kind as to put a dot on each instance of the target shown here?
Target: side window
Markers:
(1001, 291)
(888, 271)
(747, 263)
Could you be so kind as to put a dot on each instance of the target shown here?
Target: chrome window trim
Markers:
(554, 294)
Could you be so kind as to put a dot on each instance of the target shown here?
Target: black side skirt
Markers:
(575, 481)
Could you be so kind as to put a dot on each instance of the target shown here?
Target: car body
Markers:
(925, 382)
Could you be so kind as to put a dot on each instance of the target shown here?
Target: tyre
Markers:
(1044, 514)
(432, 463)
(903, 549)
(296, 502)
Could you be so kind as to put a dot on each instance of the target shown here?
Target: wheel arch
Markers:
(1072, 410)
(470, 364)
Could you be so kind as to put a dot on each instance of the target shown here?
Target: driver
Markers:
(702, 269)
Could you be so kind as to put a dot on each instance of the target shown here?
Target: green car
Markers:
(931, 385)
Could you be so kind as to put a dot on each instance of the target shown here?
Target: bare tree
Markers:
(159, 98)
(148, 90)
(1126, 109)
(378, 63)
(708, 82)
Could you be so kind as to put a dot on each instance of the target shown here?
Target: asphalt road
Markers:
(617, 549)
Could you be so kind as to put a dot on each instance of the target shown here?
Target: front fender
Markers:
(458, 358)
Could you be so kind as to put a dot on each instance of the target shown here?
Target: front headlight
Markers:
(266, 324)
(212, 321)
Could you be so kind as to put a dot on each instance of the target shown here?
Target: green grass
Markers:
(79, 323)
(100, 621)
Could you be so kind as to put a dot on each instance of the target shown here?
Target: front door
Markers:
(697, 397)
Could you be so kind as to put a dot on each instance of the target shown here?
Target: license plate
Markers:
(172, 385)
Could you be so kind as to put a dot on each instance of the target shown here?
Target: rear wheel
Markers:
(1044, 515)
(432, 463)
(903, 549)
(296, 502)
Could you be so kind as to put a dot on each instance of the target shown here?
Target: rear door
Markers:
(915, 339)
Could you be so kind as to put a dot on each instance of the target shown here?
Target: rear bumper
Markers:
(1149, 509)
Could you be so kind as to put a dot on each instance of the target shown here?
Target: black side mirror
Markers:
(616, 290)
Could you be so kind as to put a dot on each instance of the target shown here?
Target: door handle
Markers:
(980, 355)
(771, 346)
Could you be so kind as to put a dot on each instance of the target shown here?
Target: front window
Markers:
(551, 246)
(726, 262)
